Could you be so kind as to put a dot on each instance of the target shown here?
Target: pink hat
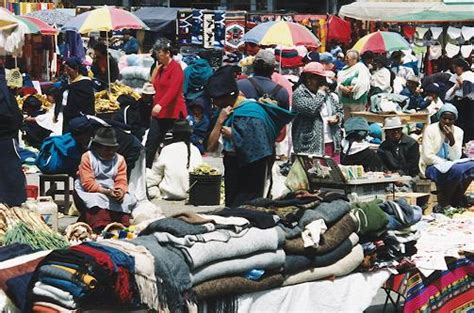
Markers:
(316, 68)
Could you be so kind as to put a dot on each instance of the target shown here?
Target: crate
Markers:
(413, 198)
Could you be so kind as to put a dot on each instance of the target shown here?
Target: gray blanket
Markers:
(171, 271)
(254, 240)
(261, 260)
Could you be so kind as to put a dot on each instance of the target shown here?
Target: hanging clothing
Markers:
(454, 32)
(452, 50)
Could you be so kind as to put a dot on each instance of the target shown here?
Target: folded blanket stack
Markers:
(389, 233)
(91, 274)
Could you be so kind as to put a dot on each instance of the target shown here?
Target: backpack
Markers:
(264, 97)
(269, 98)
(59, 155)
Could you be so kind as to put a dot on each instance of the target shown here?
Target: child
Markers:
(101, 188)
(199, 122)
(34, 133)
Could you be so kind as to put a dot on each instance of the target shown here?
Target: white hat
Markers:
(392, 123)
(148, 89)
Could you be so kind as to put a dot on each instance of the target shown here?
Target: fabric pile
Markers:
(390, 234)
(135, 69)
(93, 274)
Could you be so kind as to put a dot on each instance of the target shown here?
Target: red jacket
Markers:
(169, 92)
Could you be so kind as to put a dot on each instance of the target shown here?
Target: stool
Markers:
(53, 190)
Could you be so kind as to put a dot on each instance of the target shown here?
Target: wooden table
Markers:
(417, 117)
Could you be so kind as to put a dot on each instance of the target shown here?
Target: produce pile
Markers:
(19, 225)
(45, 104)
(205, 169)
(106, 101)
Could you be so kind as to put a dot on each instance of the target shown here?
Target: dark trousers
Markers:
(158, 129)
(244, 183)
(466, 116)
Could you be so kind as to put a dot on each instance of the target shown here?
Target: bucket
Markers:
(31, 192)
(205, 189)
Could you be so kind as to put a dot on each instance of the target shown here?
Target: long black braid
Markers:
(186, 138)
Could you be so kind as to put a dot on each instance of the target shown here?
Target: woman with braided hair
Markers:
(169, 176)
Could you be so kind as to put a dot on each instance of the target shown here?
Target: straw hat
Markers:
(148, 89)
(392, 123)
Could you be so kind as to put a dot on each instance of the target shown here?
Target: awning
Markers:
(407, 12)
(159, 19)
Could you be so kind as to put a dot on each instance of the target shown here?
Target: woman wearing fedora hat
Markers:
(169, 176)
(317, 126)
(100, 192)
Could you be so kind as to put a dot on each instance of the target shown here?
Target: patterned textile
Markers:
(185, 23)
(197, 27)
(442, 291)
(219, 31)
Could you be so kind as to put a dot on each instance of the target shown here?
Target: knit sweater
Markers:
(169, 175)
(88, 178)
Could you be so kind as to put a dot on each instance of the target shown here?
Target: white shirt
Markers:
(169, 172)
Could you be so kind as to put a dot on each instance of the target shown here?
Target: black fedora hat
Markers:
(105, 136)
(181, 126)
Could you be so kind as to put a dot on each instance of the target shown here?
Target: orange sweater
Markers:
(87, 176)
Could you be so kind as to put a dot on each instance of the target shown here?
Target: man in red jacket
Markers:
(168, 104)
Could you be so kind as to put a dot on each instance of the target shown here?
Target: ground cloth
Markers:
(358, 290)
(332, 238)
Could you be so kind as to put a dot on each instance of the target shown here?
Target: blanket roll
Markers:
(343, 267)
(332, 238)
(264, 260)
(235, 285)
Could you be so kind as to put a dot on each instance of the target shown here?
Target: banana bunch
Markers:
(205, 169)
(105, 103)
(119, 89)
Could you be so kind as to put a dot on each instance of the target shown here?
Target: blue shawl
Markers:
(255, 127)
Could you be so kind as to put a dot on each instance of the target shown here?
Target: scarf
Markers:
(356, 146)
(357, 76)
(67, 273)
(144, 270)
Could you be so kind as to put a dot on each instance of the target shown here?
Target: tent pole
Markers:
(108, 60)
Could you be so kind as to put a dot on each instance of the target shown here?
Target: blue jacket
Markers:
(416, 101)
(131, 46)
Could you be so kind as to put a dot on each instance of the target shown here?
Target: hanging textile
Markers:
(196, 30)
(185, 24)
(208, 30)
(219, 36)
(339, 29)
(452, 50)
(409, 32)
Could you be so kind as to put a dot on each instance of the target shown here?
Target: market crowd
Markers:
(251, 112)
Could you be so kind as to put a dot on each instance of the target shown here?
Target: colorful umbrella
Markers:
(7, 20)
(54, 17)
(380, 42)
(104, 19)
(38, 25)
(283, 33)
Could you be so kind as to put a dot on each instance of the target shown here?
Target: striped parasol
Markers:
(380, 42)
(283, 33)
(104, 19)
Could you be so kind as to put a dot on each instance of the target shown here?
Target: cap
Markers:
(316, 68)
(266, 56)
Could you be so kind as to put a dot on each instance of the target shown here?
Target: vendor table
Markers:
(417, 117)
(351, 293)
(366, 188)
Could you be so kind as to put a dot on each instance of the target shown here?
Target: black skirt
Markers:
(12, 178)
